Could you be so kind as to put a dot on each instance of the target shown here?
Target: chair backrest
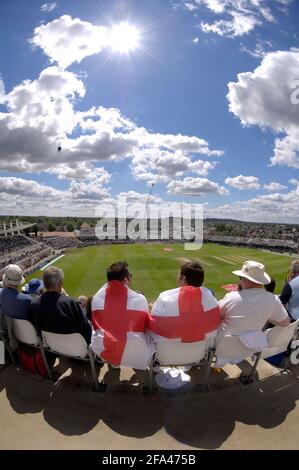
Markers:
(279, 337)
(175, 353)
(73, 344)
(230, 347)
(25, 332)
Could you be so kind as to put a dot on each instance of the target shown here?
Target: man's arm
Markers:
(286, 294)
(284, 322)
(84, 327)
(223, 306)
(280, 316)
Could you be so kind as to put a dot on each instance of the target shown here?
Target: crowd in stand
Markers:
(11, 244)
(21, 250)
(59, 243)
(269, 243)
(123, 328)
(26, 257)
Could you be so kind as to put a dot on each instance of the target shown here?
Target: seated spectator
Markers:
(290, 293)
(88, 308)
(82, 299)
(271, 286)
(56, 312)
(119, 319)
(244, 313)
(13, 303)
(34, 288)
(187, 313)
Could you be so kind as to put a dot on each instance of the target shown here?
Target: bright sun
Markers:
(124, 38)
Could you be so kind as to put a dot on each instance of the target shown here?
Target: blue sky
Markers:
(199, 97)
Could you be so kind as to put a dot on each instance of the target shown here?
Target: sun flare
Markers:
(124, 38)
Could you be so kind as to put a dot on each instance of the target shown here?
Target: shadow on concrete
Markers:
(200, 419)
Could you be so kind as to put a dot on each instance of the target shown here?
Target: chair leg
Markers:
(100, 387)
(149, 389)
(151, 376)
(43, 353)
(247, 379)
(208, 367)
(7, 347)
(286, 363)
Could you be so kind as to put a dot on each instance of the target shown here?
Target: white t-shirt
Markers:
(249, 310)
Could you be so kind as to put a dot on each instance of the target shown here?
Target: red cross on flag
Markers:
(187, 313)
(119, 320)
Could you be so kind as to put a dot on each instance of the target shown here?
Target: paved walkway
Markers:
(40, 414)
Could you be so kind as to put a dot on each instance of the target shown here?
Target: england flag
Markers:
(187, 314)
(119, 320)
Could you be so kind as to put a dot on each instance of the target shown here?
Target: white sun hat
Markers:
(172, 378)
(13, 275)
(254, 271)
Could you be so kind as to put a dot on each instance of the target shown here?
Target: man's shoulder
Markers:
(101, 291)
(169, 294)
(67, 299)
(24, 297)
(294, 283)
(234, 296)
(135, 295)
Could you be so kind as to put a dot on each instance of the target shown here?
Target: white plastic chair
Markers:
(26, 333)
(4, 337)
(72, 345)
(278, 338)
(176, 353)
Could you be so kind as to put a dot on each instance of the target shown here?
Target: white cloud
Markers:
(91, 190)
(261, 49)
(190, 6)
(26, 188)
(263, 98)
(135, 197)
(45, 103)
(47, 7)
(42, 116)
(239, 25)
(66, 40)
(171, 142)
(29, 197)
(2, 89)
(81, 171)
(274, 186)
(155, 165)
(279, 208)
(195, 187)
(81, 199)
(236, 17)
(243, 182)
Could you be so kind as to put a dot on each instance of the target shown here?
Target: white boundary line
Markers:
(51, 262)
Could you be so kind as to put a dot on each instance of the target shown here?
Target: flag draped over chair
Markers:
(187, 314)
(119, 319)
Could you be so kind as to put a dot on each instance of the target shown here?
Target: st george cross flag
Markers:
(187, 314)
(231, 287)
(119, 320)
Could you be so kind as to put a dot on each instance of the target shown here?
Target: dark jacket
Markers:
(59, 313)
